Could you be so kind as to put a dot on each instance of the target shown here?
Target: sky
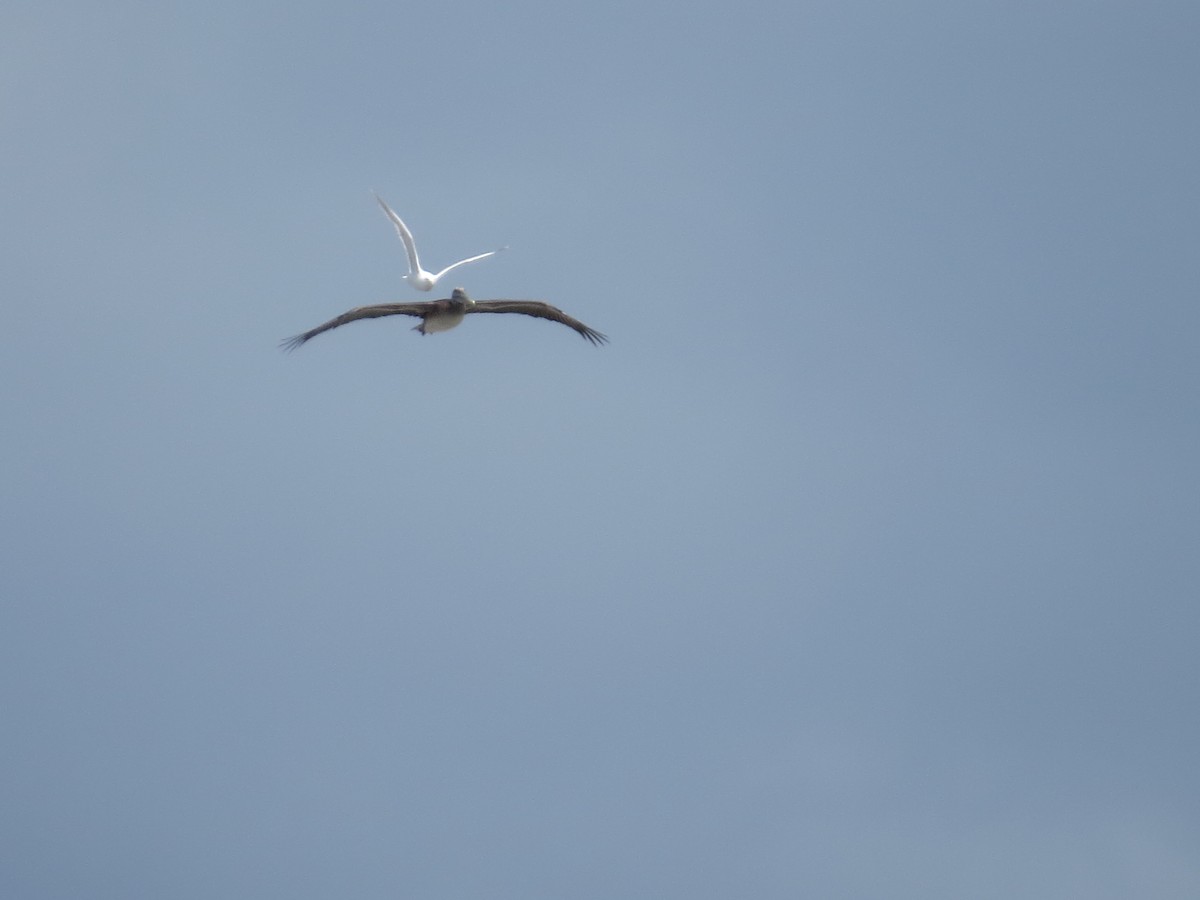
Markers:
(861, 563)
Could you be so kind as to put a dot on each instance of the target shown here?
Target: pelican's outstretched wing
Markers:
(360, 312)
(539, 310)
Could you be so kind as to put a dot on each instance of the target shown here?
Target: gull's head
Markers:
(458, 295)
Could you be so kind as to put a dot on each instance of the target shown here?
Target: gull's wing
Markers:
(463, 262)
(410, 247)
(539, 310)
(360, 312)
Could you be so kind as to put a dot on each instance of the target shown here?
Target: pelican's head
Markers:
(458, 295)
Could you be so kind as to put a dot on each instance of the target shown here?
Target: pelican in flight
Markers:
(442, 315)
(418, 277)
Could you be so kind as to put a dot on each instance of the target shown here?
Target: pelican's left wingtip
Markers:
(287, 345)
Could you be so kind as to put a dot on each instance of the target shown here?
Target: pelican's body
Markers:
(418, 277)
(441, 319)
(447, 313)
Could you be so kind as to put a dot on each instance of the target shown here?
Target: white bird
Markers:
(442, 315)
(418, 277)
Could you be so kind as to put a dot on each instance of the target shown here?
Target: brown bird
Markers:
(442, 315)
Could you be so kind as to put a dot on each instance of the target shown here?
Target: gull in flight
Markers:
(442, 315)
(418, 277)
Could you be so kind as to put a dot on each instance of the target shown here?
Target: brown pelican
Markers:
(442, 315)
(418, 277)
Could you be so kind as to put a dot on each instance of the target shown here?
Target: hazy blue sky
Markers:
(861, 564)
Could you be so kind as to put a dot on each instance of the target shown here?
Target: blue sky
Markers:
(861, 563)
